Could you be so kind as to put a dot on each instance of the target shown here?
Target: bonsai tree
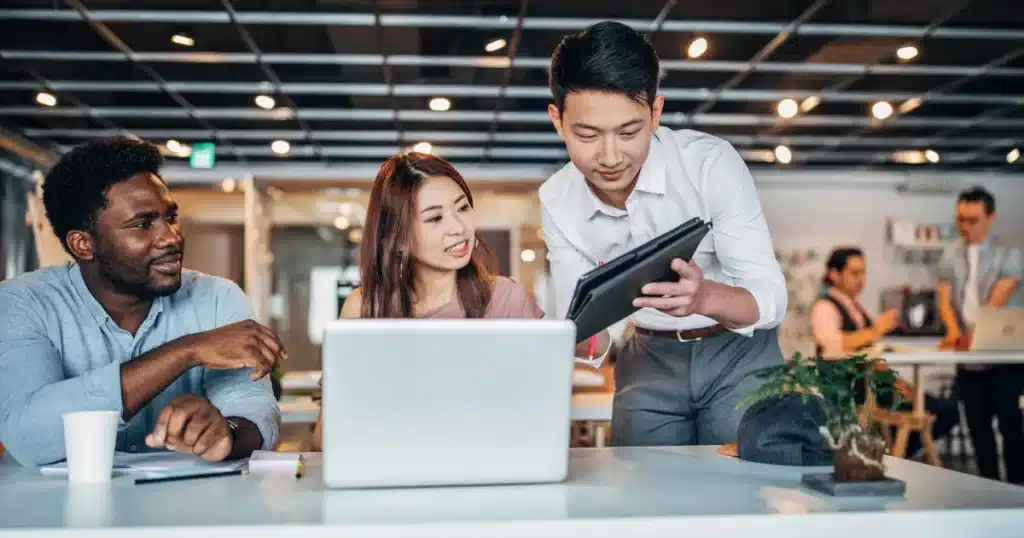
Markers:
(857, 448)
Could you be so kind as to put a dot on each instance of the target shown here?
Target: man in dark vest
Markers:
(841, 327)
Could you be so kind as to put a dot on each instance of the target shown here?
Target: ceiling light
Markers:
(423, 147)
(910, 156)
(183, 40)
(495, 45)
(174, 146)
(280, 147)
(265, 102)
(528, 255)
(788, 108)
(881, 110)
(783, 155)
(46, 99)
(228, 185)
(909, 105)
(355, 235)
(808, 104)
(440, 104)
(697, 48)
(1013, 155)
(907, 52)
(341, 222)
(932, 156)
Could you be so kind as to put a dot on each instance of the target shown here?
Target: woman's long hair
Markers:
(386, 267)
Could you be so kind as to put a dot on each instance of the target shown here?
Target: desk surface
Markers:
(666, 491)
(931, 356)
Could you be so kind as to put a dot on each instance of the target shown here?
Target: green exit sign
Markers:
(202, 155)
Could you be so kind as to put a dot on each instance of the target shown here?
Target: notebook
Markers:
(152, 464)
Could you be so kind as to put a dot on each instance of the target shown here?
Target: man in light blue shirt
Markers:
(124, 327)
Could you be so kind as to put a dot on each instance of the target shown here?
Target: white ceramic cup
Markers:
(89, 439)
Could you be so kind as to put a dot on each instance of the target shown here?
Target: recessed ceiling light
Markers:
(528, 255)
(440, 104)
(881, 110)
(1013, 155)
(909, 105)
(788, 108)
(228, 185)
(783, 154)
(174, 146)
(496, 45)
(265, 102)
(46, 99)
(183, 40)
(280, 147)
(423, 147)
(932, 156)
(697, 47)
(907, 52)
(341, 222)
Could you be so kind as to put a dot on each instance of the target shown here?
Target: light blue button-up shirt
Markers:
(61, 352)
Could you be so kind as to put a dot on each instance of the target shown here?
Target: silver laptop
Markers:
(998, 329)
(446, 402)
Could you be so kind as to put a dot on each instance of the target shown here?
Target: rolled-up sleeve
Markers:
(742, 242)
(232, 391)
(1013, 265)
(34, 392)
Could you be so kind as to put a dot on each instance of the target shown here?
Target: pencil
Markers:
(188, 476)
(299, 468)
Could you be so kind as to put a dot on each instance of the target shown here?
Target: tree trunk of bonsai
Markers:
(859, 458)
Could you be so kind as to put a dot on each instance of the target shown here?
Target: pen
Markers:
(299, 468)
(188, 476)
(592, 349)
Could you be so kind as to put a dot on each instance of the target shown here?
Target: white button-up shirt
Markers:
(687, 174)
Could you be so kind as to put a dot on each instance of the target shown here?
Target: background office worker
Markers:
(697, 340)
(982, 270)
(421, 257)
(124, 327)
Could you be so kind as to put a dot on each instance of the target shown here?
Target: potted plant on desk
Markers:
(857, 448)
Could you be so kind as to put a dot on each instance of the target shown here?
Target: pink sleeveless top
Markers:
(509, 300)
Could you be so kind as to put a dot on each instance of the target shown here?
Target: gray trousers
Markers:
(686, 393)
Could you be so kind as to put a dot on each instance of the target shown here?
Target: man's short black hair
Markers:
(75, 190)
(979, 194)
(838, 259)
(609, 56)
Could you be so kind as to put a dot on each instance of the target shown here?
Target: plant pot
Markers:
(862, 465)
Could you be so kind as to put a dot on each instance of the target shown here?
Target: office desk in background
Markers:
(664, 491)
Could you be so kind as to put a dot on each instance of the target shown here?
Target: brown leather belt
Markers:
(690, 334)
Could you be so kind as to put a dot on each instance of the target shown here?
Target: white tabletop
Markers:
(670, 491)
(932, 356)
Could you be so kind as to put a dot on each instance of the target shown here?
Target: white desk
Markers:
(308, 380)
(669, 492)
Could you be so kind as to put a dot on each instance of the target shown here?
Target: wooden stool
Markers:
(905, 422)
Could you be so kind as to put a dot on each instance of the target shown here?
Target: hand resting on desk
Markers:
(192, 425)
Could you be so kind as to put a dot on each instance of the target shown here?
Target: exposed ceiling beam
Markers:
(538, 92)
(482, 116)
(492, 62)
(495, 22)
(539, 138)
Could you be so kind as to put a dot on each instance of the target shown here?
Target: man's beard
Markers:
(130, 280)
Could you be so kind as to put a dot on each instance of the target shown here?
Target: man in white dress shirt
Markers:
(697, 341)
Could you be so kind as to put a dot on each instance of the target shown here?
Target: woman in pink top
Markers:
(420, 255)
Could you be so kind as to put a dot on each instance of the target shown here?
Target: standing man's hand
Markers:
(680, 298)
(245, 344)
(192, 425)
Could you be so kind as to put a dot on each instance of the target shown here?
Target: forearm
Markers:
(732, 306)
(948, 317)
(248, 438)
(144, 377)
(235, 395)
(853, 340)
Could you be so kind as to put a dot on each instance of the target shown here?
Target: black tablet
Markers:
(595, 277)
(605, 295)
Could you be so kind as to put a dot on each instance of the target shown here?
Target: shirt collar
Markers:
(651, 180)
(94, 306)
